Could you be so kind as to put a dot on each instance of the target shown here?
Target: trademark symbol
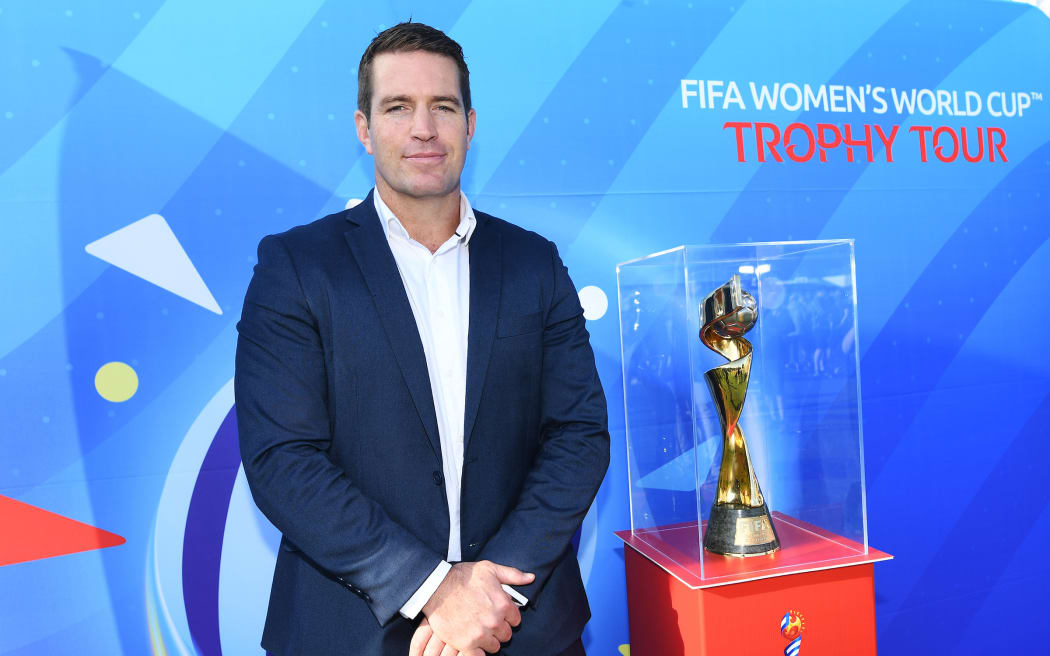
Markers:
(1037, 95)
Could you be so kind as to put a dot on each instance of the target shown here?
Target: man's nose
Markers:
(423, 126)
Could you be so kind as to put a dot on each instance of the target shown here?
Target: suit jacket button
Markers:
(438, 478)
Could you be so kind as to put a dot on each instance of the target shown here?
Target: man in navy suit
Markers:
(419, 410)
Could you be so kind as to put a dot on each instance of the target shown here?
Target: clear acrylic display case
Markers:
(801, 417)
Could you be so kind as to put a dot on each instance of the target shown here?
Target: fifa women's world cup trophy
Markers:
(740, 523)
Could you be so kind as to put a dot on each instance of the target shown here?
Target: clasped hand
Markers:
(470, 613)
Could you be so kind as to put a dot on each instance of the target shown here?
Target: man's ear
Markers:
(361, 122)
(472, 119)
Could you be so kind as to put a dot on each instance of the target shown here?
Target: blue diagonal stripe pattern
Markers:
(587, 128)
(1002, 511)
(955, 290)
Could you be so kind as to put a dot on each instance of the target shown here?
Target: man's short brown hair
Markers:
(409, 37)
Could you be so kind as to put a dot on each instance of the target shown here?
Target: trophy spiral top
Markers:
(726, 315)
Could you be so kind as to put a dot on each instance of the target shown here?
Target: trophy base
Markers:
(737, 530)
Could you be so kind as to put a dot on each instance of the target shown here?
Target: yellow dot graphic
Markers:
(625, 650)
(116, 382)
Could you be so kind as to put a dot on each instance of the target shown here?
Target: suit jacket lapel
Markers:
(485, 283)
(369, 246)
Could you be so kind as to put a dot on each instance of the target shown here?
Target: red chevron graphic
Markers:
(31, 533)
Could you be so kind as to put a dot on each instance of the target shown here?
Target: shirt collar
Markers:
(391, 224)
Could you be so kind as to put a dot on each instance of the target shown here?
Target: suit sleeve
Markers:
(574, 451)
(285, 432)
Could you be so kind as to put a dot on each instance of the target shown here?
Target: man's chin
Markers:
(427, 191)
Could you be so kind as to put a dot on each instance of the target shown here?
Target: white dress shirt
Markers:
(438, 288)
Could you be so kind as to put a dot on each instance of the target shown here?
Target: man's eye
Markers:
(396, 108)
(445, 108)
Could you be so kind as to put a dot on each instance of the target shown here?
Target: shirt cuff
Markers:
(416, 602)
(515, 596)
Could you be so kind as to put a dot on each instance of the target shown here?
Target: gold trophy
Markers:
(740, 523)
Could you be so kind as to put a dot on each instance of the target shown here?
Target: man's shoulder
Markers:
(514, 235)
(317, 235)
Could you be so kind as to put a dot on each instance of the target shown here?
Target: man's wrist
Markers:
(422, 595)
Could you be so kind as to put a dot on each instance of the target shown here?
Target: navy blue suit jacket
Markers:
(340, 444)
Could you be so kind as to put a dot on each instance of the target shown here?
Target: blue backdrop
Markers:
(146, 146)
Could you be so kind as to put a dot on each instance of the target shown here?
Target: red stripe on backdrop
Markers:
(31, 533)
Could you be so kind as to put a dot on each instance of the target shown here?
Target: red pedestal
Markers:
(766, 605)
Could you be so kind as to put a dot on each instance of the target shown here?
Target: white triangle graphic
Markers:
(148, 249)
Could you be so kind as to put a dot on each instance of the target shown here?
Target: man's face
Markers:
(418, 133)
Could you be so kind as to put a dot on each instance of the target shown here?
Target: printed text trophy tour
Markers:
(740, 524)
